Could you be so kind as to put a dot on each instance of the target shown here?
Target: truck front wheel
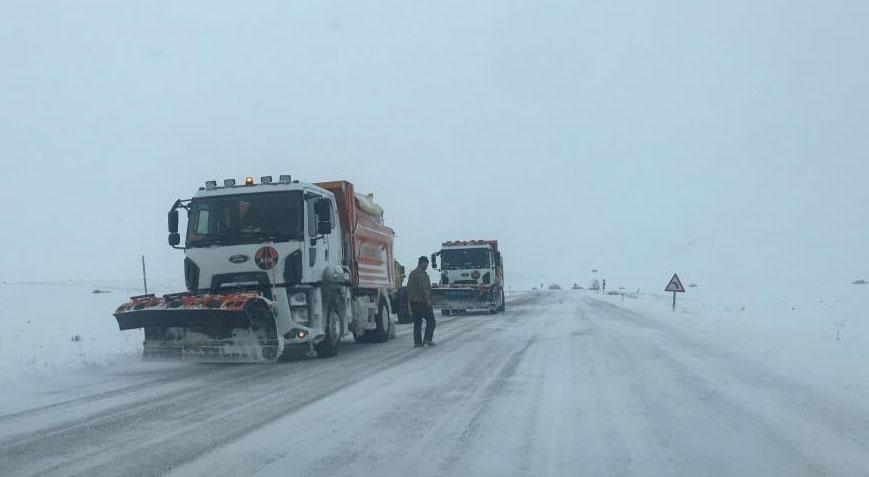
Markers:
(332, 329)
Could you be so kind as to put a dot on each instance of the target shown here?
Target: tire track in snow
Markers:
(149, 433)
(447, 399)
(485, 399)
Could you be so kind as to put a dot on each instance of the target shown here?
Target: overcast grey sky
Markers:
(724, 140)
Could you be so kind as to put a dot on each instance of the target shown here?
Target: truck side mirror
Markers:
(174, 239)
(324, 217)
(173, 221)
(498, 259)
(434, 261)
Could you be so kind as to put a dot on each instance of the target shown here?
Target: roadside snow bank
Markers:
(824, 334)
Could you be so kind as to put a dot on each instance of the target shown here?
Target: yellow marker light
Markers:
(248, 180)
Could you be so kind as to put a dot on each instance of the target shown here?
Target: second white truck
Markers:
(471, 277)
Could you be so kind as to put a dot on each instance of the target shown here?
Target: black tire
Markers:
(329, 346)
(381, 334)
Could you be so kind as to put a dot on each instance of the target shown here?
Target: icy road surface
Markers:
(561, 384)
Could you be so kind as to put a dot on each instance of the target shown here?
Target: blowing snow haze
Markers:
(725, 141)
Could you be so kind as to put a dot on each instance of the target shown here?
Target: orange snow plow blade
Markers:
(223, 327)
(185, 311)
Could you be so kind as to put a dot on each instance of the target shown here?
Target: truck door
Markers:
(313, 255)
(317, 251)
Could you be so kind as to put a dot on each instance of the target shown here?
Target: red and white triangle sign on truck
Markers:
(675, 285)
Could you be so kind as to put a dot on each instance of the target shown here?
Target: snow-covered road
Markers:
(561, 384)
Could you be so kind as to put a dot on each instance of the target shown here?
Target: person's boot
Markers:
(417, 345)
(428, 343)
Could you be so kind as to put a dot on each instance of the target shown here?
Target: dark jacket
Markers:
(419, 287)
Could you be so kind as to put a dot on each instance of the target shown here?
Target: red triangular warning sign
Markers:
(675, 285)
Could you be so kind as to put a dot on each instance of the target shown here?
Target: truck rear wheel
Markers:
(384, 322)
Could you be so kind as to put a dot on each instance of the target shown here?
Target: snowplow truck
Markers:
(273, 269)
(471, 277)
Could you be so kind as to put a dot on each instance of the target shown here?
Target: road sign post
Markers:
(675, 286)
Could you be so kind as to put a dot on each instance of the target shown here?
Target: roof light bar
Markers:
(266, 179)
(211, 185)
(228, 182)
(286, 178)
(248, 181)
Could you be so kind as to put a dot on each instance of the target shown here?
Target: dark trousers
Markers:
(422, 311)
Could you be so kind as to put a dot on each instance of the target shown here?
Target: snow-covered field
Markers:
(50, 328)
(824, 334)
(564, 383)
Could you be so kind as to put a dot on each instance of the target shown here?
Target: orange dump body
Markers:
(369, 243)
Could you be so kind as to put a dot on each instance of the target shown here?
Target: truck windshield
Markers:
(464, 258)
(245, 218)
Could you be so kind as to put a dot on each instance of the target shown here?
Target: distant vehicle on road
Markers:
(472, 277)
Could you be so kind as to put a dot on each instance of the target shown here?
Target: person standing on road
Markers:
(419, 296)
